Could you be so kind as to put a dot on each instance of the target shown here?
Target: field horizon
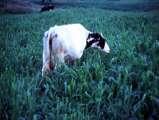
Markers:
(35, 6)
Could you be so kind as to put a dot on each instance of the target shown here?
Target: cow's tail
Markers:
(47, 53)
(50, 43)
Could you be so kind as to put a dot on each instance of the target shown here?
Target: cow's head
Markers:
(97, 40)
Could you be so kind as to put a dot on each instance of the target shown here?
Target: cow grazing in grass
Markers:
(47, 8)
(67, 42)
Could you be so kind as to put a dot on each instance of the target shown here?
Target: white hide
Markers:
(72, 38)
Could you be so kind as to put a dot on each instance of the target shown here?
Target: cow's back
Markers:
(72, 37)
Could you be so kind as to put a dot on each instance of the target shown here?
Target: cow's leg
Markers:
(48, 64)
(69, 60)
(61, 58)
(59, 52)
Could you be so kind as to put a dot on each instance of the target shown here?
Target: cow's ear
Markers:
(101, 34)
(90, 39)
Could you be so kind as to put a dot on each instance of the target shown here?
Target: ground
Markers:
(119, 85)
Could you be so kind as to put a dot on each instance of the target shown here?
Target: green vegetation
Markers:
(121, 85)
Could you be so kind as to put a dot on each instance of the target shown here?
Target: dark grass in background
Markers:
(121, 85)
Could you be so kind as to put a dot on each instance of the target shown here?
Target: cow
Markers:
(67, 42)
(47, 8)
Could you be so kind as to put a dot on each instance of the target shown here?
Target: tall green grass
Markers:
(119, 85)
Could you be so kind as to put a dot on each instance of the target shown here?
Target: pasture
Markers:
(121, 85)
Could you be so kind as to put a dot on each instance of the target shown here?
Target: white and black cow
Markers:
(68, 41)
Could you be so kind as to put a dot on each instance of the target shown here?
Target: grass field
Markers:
(121, 85)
